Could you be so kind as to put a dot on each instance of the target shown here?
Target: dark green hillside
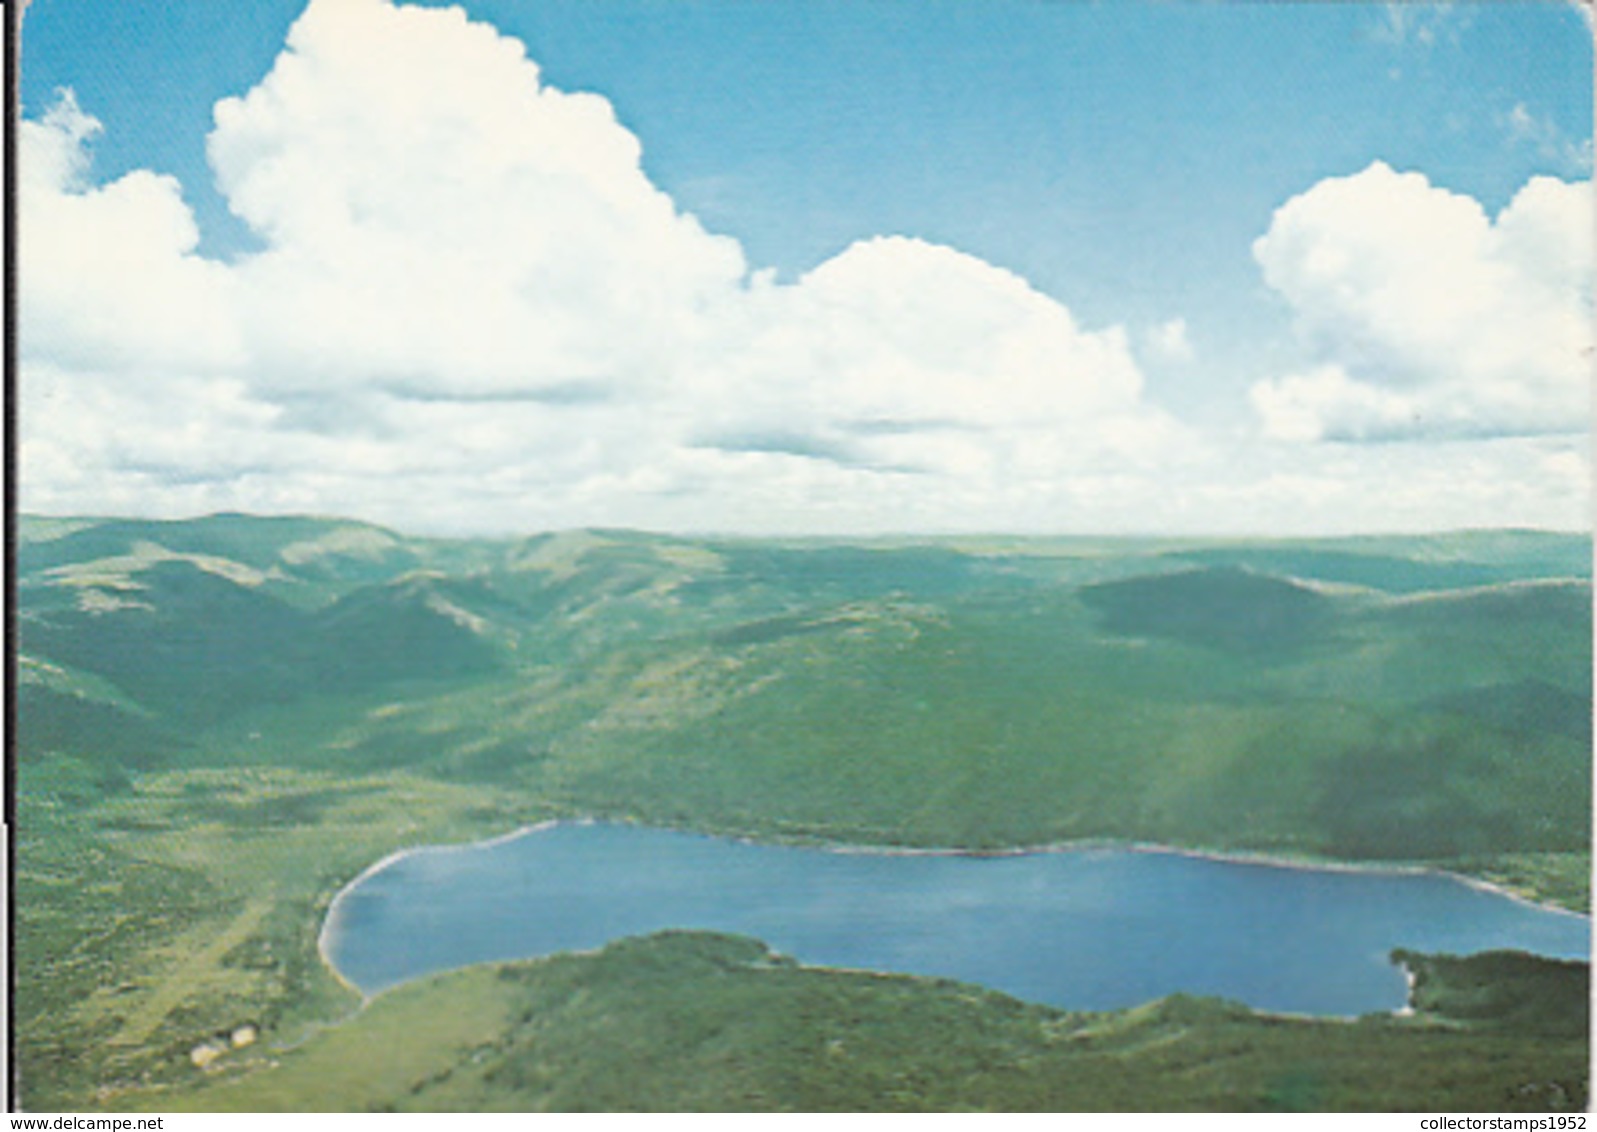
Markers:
(413, 629)
(84, 738)
(182, 640)
(1497, 635)
(1223, 607)
(196, 646)
(1013, 723)
(221, 721)
(62, 721)
(1524, 707)
(1504, 990)
(697, 1022)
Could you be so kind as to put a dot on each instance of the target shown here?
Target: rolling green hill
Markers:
(716, 1023)
(222, 720)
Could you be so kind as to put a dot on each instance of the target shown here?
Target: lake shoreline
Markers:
(1264, 859)
(1085, 845)
(399, 855)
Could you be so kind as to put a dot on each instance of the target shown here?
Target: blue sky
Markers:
(1120, 158)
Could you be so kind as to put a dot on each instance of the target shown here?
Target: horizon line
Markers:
(816, 536)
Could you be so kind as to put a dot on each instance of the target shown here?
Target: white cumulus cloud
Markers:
(110, 270)
(439, 220)
(1429, 316)
(472, 307)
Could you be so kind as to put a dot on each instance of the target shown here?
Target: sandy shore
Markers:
(397, 855)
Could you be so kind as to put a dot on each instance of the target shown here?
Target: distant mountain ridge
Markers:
(896, 669)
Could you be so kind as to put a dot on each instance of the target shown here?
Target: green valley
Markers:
(221, 721)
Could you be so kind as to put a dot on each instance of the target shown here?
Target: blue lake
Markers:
(1080, 928)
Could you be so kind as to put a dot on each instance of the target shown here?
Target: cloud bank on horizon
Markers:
(472, 311)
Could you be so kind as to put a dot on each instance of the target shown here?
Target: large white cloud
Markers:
(439, 220)
(466, 279)
(473, 311)
(110, 271)
(902, 355)
(1428, 316)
